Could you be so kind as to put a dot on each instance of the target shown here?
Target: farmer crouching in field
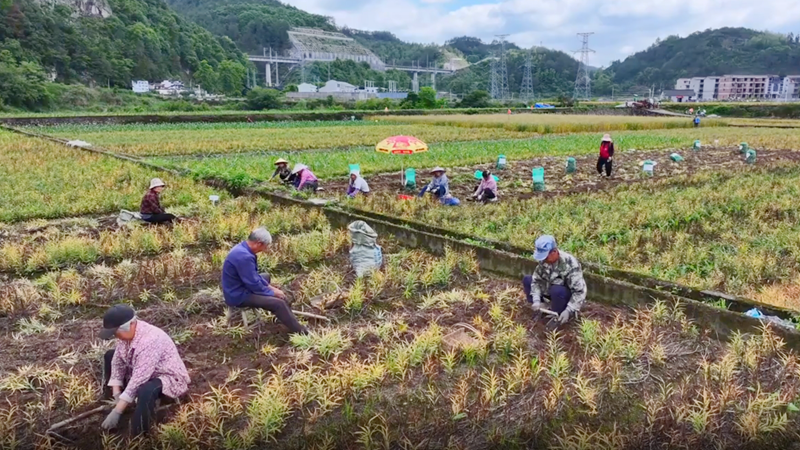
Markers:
(557, 279)
(357, 185)
(282, 171)
(606, 154)
(144, 365)
(151, 209)
(439, 186)
(305, 179)
(487, 190)
(244, 287)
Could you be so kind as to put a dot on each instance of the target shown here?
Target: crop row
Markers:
(737, 232)
(204, 139)
(244, 169)
(40, 179)
(553, 123)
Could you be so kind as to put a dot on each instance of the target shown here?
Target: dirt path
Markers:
(515, 180)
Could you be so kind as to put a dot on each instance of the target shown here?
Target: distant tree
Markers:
(231, 77)
(427, 98)
(262, 98)
(290, 88)
(476, 99)
(22, 84)
(206, 77)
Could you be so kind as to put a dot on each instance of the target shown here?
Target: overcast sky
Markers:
(621, 27)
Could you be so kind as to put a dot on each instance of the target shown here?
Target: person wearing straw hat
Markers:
(282, 170)
(145, 365)
(305, 178)
(150, 209)
(357, 184)
(439, 186)
(606, 154)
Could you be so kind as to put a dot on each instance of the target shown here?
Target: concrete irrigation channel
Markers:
(606, 285)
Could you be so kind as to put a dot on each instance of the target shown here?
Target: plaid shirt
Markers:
(151, 204)
(566, 272)
(151, 354)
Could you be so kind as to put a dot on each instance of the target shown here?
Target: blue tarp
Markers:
(543, 106)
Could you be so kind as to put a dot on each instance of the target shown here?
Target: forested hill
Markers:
(711, 52)
(107, 42)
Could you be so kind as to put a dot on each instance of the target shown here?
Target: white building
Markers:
(141, 86)
(306, 87)
(742, 87)
(337, 86)
(705, 88)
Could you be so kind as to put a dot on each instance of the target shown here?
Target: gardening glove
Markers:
(112, 420)
(564, 317)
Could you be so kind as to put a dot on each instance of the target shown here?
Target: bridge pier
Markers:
(415, 83)
(269, 75)
(433, 80)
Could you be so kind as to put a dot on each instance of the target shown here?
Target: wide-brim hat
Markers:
(281, 161)
(298, 167)
(606, 138)
(437, 169)
(156, 182)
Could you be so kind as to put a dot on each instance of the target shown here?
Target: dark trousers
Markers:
(276, 306)
(145, 412)
(558, 295)
(696, 124)
(311, 186)
(604, 162)
(159, 218)
(488, 195)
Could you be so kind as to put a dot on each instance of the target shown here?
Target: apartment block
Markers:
(742, 87)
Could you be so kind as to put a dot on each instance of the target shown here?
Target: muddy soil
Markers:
(516, 182)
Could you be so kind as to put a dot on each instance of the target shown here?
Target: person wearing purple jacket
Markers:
(244, 287)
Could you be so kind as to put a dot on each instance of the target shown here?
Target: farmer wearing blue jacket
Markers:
(244, 287)
(439, 186)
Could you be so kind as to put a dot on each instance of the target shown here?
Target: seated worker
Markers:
(439, 186)
(305, 178)
(282, 170)
(558, 279)
(144, 365)
(151, 209)
(244, 287)
(357, 184)
(487, 190)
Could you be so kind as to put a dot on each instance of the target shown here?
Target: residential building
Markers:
(680, 95)
(141, 86)
(743, 87)
(337, 86)
(306, 87)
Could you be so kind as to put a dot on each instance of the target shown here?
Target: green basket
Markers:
(501, 162)
(537, 173)
(743, 148)
(572, 166)
(648, 166)
(696, 145)
(750, 157)
(676, 157)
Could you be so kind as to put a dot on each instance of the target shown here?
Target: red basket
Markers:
(404, 197)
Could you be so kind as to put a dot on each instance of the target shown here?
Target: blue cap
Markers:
(544, 245)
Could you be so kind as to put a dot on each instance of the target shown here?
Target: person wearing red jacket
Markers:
(606, 154)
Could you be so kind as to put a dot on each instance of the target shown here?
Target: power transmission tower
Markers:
(526, 89)
(493, 85)
(502, 70)
(583, 82)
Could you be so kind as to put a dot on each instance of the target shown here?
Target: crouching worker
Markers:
(439, 186)
(144, 365)
(151, 209)
(305, 178)
(282, 171)
(244, 287)
(487, 190)
(558, 279)
(357, 185)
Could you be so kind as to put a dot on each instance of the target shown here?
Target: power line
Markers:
(583, 82)
(526, 89)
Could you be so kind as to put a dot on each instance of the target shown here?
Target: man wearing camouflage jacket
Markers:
(558, 279)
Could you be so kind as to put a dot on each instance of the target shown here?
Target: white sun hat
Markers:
(298, 167)
(156, 182)
(437, 169)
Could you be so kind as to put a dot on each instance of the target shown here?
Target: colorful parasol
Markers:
(401, 145)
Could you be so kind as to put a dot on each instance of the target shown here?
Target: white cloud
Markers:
(621, 26)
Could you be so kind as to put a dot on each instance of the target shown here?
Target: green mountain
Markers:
(711, 52)
(107, 42)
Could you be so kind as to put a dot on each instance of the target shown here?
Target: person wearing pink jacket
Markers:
(305, 178)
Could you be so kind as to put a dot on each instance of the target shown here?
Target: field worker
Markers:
(305, 179)
(144, 365)
(696, 121)
(606, 154)
(244, 287)
(151, 209)
(558, 279)
(282, 170)
(487, 190)
(357, 184)
(439, 186)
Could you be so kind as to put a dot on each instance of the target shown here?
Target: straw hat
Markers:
(607, 138)
(437, 169)
(156, 182)
(281, 161)
(298, 167)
